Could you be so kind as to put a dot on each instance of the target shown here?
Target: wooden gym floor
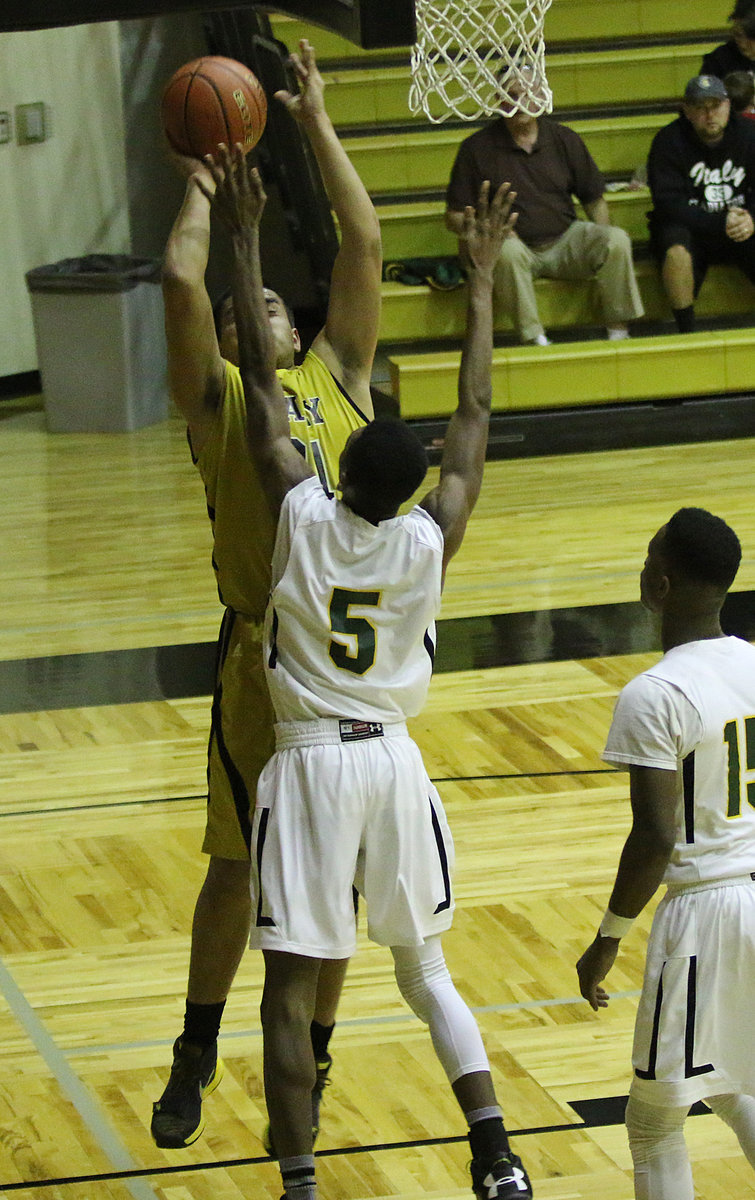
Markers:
(107, 610)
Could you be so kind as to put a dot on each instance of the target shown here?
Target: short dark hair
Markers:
(744, 13)
(702, 548)
(386, 463)
(741, 88)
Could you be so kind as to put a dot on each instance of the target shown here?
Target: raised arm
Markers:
(239, 200)
(195, 366)
(347, 342)
(463, 460)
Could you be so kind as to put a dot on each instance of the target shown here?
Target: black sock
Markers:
(685, 318)
(202, 1023)
(320, 1035)
(488, 1138)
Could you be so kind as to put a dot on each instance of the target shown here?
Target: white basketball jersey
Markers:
(350, 626)
(695, 713)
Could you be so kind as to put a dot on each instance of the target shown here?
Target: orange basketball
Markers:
(213, 100)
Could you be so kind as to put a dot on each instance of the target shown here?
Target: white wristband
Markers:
(615, 927)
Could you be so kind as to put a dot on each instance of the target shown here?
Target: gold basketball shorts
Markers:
(242, 737)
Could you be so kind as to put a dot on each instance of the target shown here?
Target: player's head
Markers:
(740, 86)
(285, 333)
(691, 562)
(382, 465)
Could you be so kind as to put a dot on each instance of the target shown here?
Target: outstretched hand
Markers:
(238, 197)
(485, 230)
(309, 103)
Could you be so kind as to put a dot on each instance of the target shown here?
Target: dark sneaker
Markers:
(177, 1116)
(500, 1179)
(321, 1082)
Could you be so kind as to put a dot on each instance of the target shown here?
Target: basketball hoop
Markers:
(473, 57)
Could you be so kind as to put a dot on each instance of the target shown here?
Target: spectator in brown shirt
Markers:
(546, 164)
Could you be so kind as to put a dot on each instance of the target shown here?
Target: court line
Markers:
(202, 796)
(73, 1088)
(344, 1151)
(350, 1022)
(528, 775)
(339, 1151)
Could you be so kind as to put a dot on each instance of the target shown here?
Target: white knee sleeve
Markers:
(661, 1164)
(427, 987)
(739, 1114)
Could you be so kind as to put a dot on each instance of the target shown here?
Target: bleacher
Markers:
(617, 69)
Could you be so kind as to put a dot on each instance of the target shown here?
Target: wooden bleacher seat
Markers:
(375, 95)
(416, 228)
(579, 21)
(421, 160)
(572, 374)
(410, 313)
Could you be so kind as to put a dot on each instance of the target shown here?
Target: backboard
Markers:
(372, 24)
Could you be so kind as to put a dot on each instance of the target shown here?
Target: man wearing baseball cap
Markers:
(701, 174)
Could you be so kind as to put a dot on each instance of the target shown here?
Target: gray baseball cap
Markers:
(705, 87)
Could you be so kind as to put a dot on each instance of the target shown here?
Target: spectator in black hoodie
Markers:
(701, 174)
(738, 54)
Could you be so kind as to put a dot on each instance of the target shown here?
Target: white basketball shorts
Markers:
(693, 1035)
(339, 806)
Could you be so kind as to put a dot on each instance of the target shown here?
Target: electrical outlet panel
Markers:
(6, 127)
(30, 123)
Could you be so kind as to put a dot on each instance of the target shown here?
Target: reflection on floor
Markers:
(464, 643)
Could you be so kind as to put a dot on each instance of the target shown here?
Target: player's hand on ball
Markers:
(239, 197)
(187, 166)
(310, 102)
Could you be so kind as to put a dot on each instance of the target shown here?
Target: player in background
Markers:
(328, 397)
(685, 729)
(348, 649)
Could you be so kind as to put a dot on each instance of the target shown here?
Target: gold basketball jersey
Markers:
(321, 417)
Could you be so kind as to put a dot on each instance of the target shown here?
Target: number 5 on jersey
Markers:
(354, 643)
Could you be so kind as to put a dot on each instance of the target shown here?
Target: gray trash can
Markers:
(99, 327)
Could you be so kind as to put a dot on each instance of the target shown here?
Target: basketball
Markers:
(213, 100)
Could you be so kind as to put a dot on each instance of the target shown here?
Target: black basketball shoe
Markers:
(177, 1119)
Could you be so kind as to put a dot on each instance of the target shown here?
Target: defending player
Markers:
(348, 650)
(686, 731)
(328, 397)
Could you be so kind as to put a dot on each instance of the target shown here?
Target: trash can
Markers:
(99, 328)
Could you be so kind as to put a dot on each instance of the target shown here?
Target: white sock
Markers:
(540, 340)
(617, 335)
(298, 1176)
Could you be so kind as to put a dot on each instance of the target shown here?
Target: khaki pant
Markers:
(584, 251)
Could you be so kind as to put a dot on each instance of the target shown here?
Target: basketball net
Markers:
(472, 57)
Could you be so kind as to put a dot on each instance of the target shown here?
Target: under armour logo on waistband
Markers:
(359, 731)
